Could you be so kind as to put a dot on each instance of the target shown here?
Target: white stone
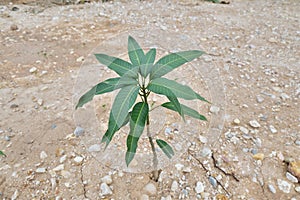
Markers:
(244, 130)
(203, 139)
(15, 195)
(174, 186)
(80, 59)
(291, 178)
(205, 152)
(236, 121)
(40, 102)
(59, 168)
(272, 129)
(259, 99)
(32, 69)
(272, 188)
(79, 131)
(187, 169)
(43, 155)
(199, 187)
(40, 170)
(214, 109)
(105, 190)
(107, 179)
(63, 159)
(150, 189)
(78, 159)
(297, 189)
(179, 166)
(94, 148)
(284, 186)
(144, 197)
(254, 124)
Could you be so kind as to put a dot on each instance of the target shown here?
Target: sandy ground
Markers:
(251, 76)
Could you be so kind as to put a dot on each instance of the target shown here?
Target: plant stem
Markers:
(155, 160)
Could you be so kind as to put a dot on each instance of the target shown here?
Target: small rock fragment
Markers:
(259, 99)
(205, 152)
(179, 166)
(284, 186)
(33, 69)
(144, 197)
(78, 159)
(40, 170)
(272, 129)
(105, 190)
(199, 187)
(40, 102)
(221, 197)
(254, 124)
(258, 156)
(292, 178)
(78, 131)
(94, 148)
(63, 159)
(212, 181)
(294, 169)
(59, 168)
(174, 186)
(272, 188)
(244, 130)
(65, 173)
(107, 179)
(150, 189)
(214, 109)
(15, 195)
(236, 121)
(43, 155)
(80, 59)
(203, 139)
(297, 142)
(297, 189)
(59, 152)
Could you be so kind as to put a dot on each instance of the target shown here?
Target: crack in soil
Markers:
(82, 181)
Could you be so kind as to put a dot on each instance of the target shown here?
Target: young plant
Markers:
(2, 154)
(140, 77)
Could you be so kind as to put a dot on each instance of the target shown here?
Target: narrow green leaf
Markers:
(186, 111)
(165, 147)
(116, 64)
(181, 91)
(101, 88)
(120, 109)
(172, 61)
(147, 66)
(2, 154)
(135, 52)
(137, 123)
(177, 106)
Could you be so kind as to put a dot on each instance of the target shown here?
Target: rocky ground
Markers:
(249, 148)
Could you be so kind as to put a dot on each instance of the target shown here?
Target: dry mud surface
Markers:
(250, 74)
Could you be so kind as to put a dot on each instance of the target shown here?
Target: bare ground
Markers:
(253, 44)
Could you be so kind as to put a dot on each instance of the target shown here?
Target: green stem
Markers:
(155, 160)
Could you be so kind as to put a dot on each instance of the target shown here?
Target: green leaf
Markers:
(172, 61)
(135, 52)
(137, 123)
(177, 106)
(120, 109)
(147, 66)
(186, 110)
(2, 154)
(165, 147)
(116, 64)
(101, 88)
(181, 91)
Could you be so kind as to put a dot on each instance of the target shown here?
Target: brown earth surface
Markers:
(251, 75)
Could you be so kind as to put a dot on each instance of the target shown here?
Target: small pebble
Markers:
(80, 59)
(33, 69)
(78, 159)
(297, 142)
(63, 159)
(203, 139)
(78, 131)
(40, 102)
(272, 188)
(144, 197)
(105, 190)
(254, 124)
(258, 156)
(205, 152)
(272, 129)
(94, 148)
(199, 187)
(291, 178)
(244, 130)
(107, 179)
(43, 155)
(214, 109)
(212, 181)
(7, 138)
(150, 189)
(59, 168)
(297, 189)
(259, 99)
(179, 166)
(236, 121)
(284, 186)
(174, 186)
(40, 170)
